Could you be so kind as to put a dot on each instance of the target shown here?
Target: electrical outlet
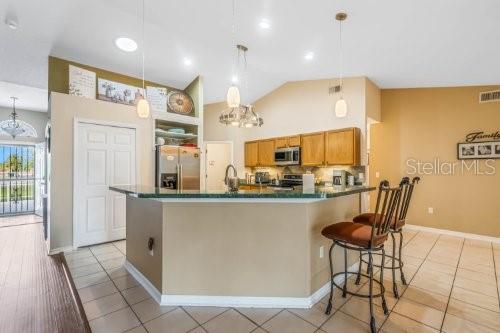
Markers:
(151, 253)
(430, 210)
(321, 251)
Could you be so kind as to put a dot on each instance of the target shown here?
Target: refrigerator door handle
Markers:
(180, 176)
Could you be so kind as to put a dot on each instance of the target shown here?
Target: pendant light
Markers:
(341, 105)
(233, 98)
(142, 104)
(15, 127)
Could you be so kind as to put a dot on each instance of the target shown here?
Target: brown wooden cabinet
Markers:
(342, 147)
(266, 152)
(294, 141)
(281, 142)
(251, 154)
(312, 149)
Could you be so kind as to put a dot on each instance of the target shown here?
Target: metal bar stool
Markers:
(396, 227)
(364, 238)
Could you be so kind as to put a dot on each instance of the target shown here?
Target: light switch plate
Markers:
(430, 210)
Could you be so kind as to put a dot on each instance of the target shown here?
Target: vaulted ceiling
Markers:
(395, 43)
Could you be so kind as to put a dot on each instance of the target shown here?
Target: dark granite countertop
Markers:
(142, 191)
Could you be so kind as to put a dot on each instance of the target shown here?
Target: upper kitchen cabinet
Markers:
(312, 149)
(266, 152)
(288, 141)
(342, 147)
(251, 154)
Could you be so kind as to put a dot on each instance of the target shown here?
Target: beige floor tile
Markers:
(138, 329)
(259, 330)
(408, 260)
(81, 262)
(85, 270)
(113, 263)
(475, 314)
(259, 315)
(477, 243)
(479, 287)
(476, 276)
(471, 297)
(176, 321)
(441, 278)
(315, 315)
(104, 305)
(287, 322)
(88, 280)
(116, 272)
(97, 291)
(338, 300)
(102, 248)
(200, 329)
(118, 321)
(109, 255)
(135, 294)
(389, 295)
(230, 322)
(436, 267)
(401, 324)
(150, 309)
(419, 312)
(360, 309)
(125, 282)
(340, 322)
(426, 297)
(443, 260)
(453, 324)
(432, 286)
(202, 314)
(79, 254)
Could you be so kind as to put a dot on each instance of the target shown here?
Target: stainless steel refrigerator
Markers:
(178, 167)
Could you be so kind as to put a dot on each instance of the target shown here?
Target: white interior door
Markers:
(218, 157)
(105, 156)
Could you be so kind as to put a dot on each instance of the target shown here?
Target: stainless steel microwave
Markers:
(287, 156)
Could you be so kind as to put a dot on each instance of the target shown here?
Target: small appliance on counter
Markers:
(262, 177)
(287, 156)
(340, 178)
(289, 182)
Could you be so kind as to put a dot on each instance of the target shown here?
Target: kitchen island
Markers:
(258, 248)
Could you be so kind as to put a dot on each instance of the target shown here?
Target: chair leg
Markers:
(329, 306)
(358, 276)
(382, 288)
(344, 290)
(370, 295)
(394, 285)
(403, 280)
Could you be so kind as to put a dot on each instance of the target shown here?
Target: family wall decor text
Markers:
(479, 145)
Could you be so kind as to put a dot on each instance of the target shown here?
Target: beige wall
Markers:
(424, 124)
(64, 109)
(36, 119)
(296, 107)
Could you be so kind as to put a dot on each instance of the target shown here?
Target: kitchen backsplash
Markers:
(324, 173)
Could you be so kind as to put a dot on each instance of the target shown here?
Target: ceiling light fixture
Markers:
(11, 23)
(309, 56)
(15, 127)
(265, 24)
(341, 105)
(187, 62)
(126, 44)
(142, 104)
(237, 114)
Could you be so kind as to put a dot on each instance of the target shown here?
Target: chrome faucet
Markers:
(231, 182)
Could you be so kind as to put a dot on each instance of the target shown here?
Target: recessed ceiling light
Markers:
(126, 44)
(187, 62)
(265, 24)
(11, 23)
(309, 56)
(234, 79)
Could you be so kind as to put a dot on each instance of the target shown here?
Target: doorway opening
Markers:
(218, 154)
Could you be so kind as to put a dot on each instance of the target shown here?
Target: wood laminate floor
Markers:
(35, 295)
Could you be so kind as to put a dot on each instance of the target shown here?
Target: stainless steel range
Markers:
(289, 182)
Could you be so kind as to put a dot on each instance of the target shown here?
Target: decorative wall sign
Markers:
(180, 102)
(478, 150)
(478, 136)
(81, 82)
(157, 98)
(118, 92)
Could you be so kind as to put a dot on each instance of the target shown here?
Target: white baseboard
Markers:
(454, 233)
(232, 301)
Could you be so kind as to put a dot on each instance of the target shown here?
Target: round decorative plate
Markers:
(180, 102)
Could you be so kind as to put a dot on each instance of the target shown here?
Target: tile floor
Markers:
(453, 286)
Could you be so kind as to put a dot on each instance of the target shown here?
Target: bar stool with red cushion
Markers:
(396, 227)
(364, 238)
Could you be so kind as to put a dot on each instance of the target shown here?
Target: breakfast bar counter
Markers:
(258, 248)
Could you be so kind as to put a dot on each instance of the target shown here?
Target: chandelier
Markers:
(15, 127)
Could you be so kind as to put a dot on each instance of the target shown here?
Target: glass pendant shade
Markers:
(341, 108)
(233, 97)
(143, 108)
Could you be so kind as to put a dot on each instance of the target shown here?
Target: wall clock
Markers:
(180, 102)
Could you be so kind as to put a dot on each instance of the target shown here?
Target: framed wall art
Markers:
(478, 150)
